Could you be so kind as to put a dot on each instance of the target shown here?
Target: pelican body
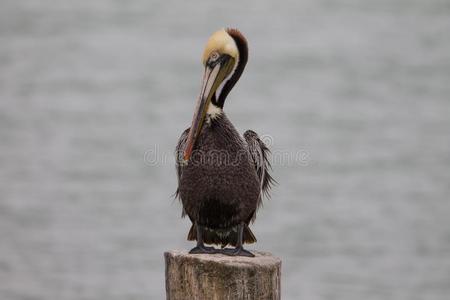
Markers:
(222, 176)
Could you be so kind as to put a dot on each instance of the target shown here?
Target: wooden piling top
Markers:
(217, 276)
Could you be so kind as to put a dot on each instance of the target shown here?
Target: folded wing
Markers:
(179, 157)
(260, 156)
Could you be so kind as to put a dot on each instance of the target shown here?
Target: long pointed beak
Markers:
(212, 78)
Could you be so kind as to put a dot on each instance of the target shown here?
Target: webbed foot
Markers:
(238, 251)
(203, 250)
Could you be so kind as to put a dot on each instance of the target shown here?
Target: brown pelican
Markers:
(221, 175)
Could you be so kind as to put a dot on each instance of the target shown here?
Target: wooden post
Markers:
(220, 277)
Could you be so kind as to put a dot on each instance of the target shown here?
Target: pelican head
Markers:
(224, 58)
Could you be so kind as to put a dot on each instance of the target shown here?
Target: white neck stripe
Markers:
(219, 89)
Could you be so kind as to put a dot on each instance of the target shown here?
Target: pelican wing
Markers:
(259, 153)
(179, 157)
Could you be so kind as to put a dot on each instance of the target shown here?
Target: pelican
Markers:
(222, 176)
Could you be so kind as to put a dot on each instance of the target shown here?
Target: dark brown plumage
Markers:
(222, 184)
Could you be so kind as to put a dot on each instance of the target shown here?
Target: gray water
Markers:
(354, 97)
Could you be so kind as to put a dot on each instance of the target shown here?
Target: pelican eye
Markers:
(214, 56)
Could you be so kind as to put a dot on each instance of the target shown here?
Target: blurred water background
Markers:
(355, 94)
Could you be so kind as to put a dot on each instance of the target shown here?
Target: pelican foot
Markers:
(238, 251)
(203, 250)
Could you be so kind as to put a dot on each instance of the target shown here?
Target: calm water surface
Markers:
(354, 96)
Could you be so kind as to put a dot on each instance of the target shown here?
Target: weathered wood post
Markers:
(221, 277)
